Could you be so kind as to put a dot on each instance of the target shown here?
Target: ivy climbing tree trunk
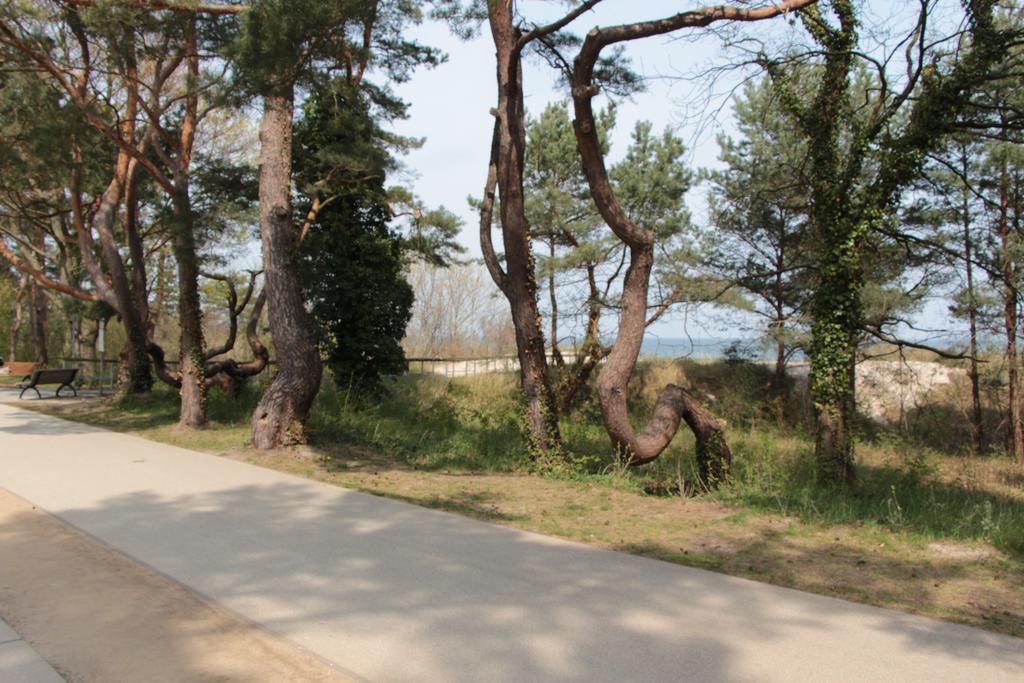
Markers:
(852, 195)
(281, 415)
(836, 303)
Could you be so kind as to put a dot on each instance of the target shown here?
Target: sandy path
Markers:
(96, 615)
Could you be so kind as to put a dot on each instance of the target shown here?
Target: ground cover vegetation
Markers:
(872, 169)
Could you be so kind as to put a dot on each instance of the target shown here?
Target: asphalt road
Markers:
(394, 592)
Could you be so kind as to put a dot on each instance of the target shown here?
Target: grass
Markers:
(924, 530)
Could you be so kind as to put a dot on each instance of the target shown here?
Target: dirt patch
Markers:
(956, 551)
(96, 615)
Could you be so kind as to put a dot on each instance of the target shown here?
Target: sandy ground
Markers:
(96, 615)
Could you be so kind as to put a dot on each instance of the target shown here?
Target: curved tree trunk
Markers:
(231, 375)
(280, 417)
(135, 375)
(674, 404)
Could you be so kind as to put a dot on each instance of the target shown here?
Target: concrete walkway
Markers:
(19, 662)
(394, 592)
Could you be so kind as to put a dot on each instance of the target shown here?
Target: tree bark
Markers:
(590, 353)
(518, 282)
(192, 360)
(674, 403)
(18, 317)
(556, 353)
(39, 323)
(281, 415)
(39, 305)
(135, 376)
(977, 422)
(1015, 430)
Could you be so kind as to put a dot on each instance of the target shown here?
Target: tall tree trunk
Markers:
(18, 317)
(836, 310)
(39, 308)
(135, 376)
(192, 357)
(518, 281)
(39, 323)
(781, 382)
(280, 418)
(556, 353)
(1015, 430)
(76, 336)
(977, 422)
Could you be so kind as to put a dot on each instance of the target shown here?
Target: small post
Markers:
(101, 347)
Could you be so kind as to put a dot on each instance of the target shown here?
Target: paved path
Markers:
(394, 592)
(19, 662)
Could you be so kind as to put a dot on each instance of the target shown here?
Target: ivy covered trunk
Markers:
(281, 415)
(837, 315)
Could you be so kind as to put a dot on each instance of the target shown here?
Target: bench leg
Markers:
(38, 395)
(75, 391)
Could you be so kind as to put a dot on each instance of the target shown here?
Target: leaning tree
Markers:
(282, 47)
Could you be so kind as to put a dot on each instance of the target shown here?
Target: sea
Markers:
(706, 348)
(746, 348)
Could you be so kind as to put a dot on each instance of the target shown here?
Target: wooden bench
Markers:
(62, 376)
(20, 368)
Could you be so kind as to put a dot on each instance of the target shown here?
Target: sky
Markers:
(450, 107)
(450, 104)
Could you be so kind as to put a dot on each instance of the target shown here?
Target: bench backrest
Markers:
(54, 376)
(21, 368)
